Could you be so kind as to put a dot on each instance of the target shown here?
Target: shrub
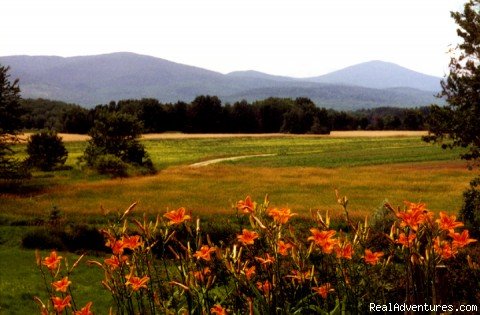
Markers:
(46, 151)
(114, 138)
(111, 165)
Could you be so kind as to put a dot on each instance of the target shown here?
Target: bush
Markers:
(111, 165)
(46, 151)
(470, 212)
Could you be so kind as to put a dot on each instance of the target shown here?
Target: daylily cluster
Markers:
(61, 298)
(271, 263)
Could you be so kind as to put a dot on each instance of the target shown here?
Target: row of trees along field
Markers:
(206, 114)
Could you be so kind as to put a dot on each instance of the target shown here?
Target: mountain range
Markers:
(98, 79)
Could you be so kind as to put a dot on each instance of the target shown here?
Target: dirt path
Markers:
(233, 158)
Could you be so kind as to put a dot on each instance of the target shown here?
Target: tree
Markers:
(10, 125)
(458, 123)
(46, 150)
(116, 134)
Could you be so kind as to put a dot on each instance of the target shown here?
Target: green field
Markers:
(302, 174)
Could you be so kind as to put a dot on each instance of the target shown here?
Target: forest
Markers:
(207, 114)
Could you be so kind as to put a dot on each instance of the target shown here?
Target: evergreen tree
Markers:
(10, 125)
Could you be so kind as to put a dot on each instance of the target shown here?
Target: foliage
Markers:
(10, 125)
(457, 124)
(116, 134)
(268, 267)
(46, 151)
(470, 212)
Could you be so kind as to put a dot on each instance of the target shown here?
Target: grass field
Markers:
(302, 174)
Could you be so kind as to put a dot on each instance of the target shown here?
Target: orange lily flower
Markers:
(461, 239)
(249, 272)
(406, 241)
(345, 251)
(323, 290)
(204, 252)
(62, 285)
(247, 237)
(201, 274)
(444, 249)
(131, 242)
(136, 282)
(52, 262)
(217, 309)
(264, 287)
(323, 239)
(281, 216)
(177, 216)
(115, 245)
(85, 310)
(299, 276)
(283, 247)
(246, 206)
(372, 258)
(60, 304)
(112, 262)
(447, 222)
(267, 260)
(413, 216)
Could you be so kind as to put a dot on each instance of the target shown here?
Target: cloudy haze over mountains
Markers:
(98, 79)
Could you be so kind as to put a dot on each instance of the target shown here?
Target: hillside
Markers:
(92, 80)
(380, 75)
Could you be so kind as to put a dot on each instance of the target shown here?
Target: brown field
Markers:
(334, 134)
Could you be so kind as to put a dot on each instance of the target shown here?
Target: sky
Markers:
(298, 38)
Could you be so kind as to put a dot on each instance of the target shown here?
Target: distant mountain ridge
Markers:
(98, 79)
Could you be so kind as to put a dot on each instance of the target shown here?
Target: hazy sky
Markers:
(286, 37)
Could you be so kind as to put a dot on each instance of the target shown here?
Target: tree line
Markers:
(207, 114)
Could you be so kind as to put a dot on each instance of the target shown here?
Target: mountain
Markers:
(380, 75)
(98, 79)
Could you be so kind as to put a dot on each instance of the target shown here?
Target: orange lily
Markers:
(281, 216)
(201, 274)
(264, 287)
(177, 216)
(299, 276)
(246, 206)
(345, 251)
(461, 239)
(131, 242)
(372, 258)
(413, 216)
(323, 239)
(267, 260)
(283, 247)
(204, 252)
(115, 245)
(61, 285)
(136, 282)
(85, 310)
(60, 304)
(249, 272)
(113, 262)
(218, 310)
(52, 262)
(323, 290)
(406, 241)
(247, 237)
(447, 222)
(444, 249)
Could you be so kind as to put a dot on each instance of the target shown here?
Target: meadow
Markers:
(302, 173)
